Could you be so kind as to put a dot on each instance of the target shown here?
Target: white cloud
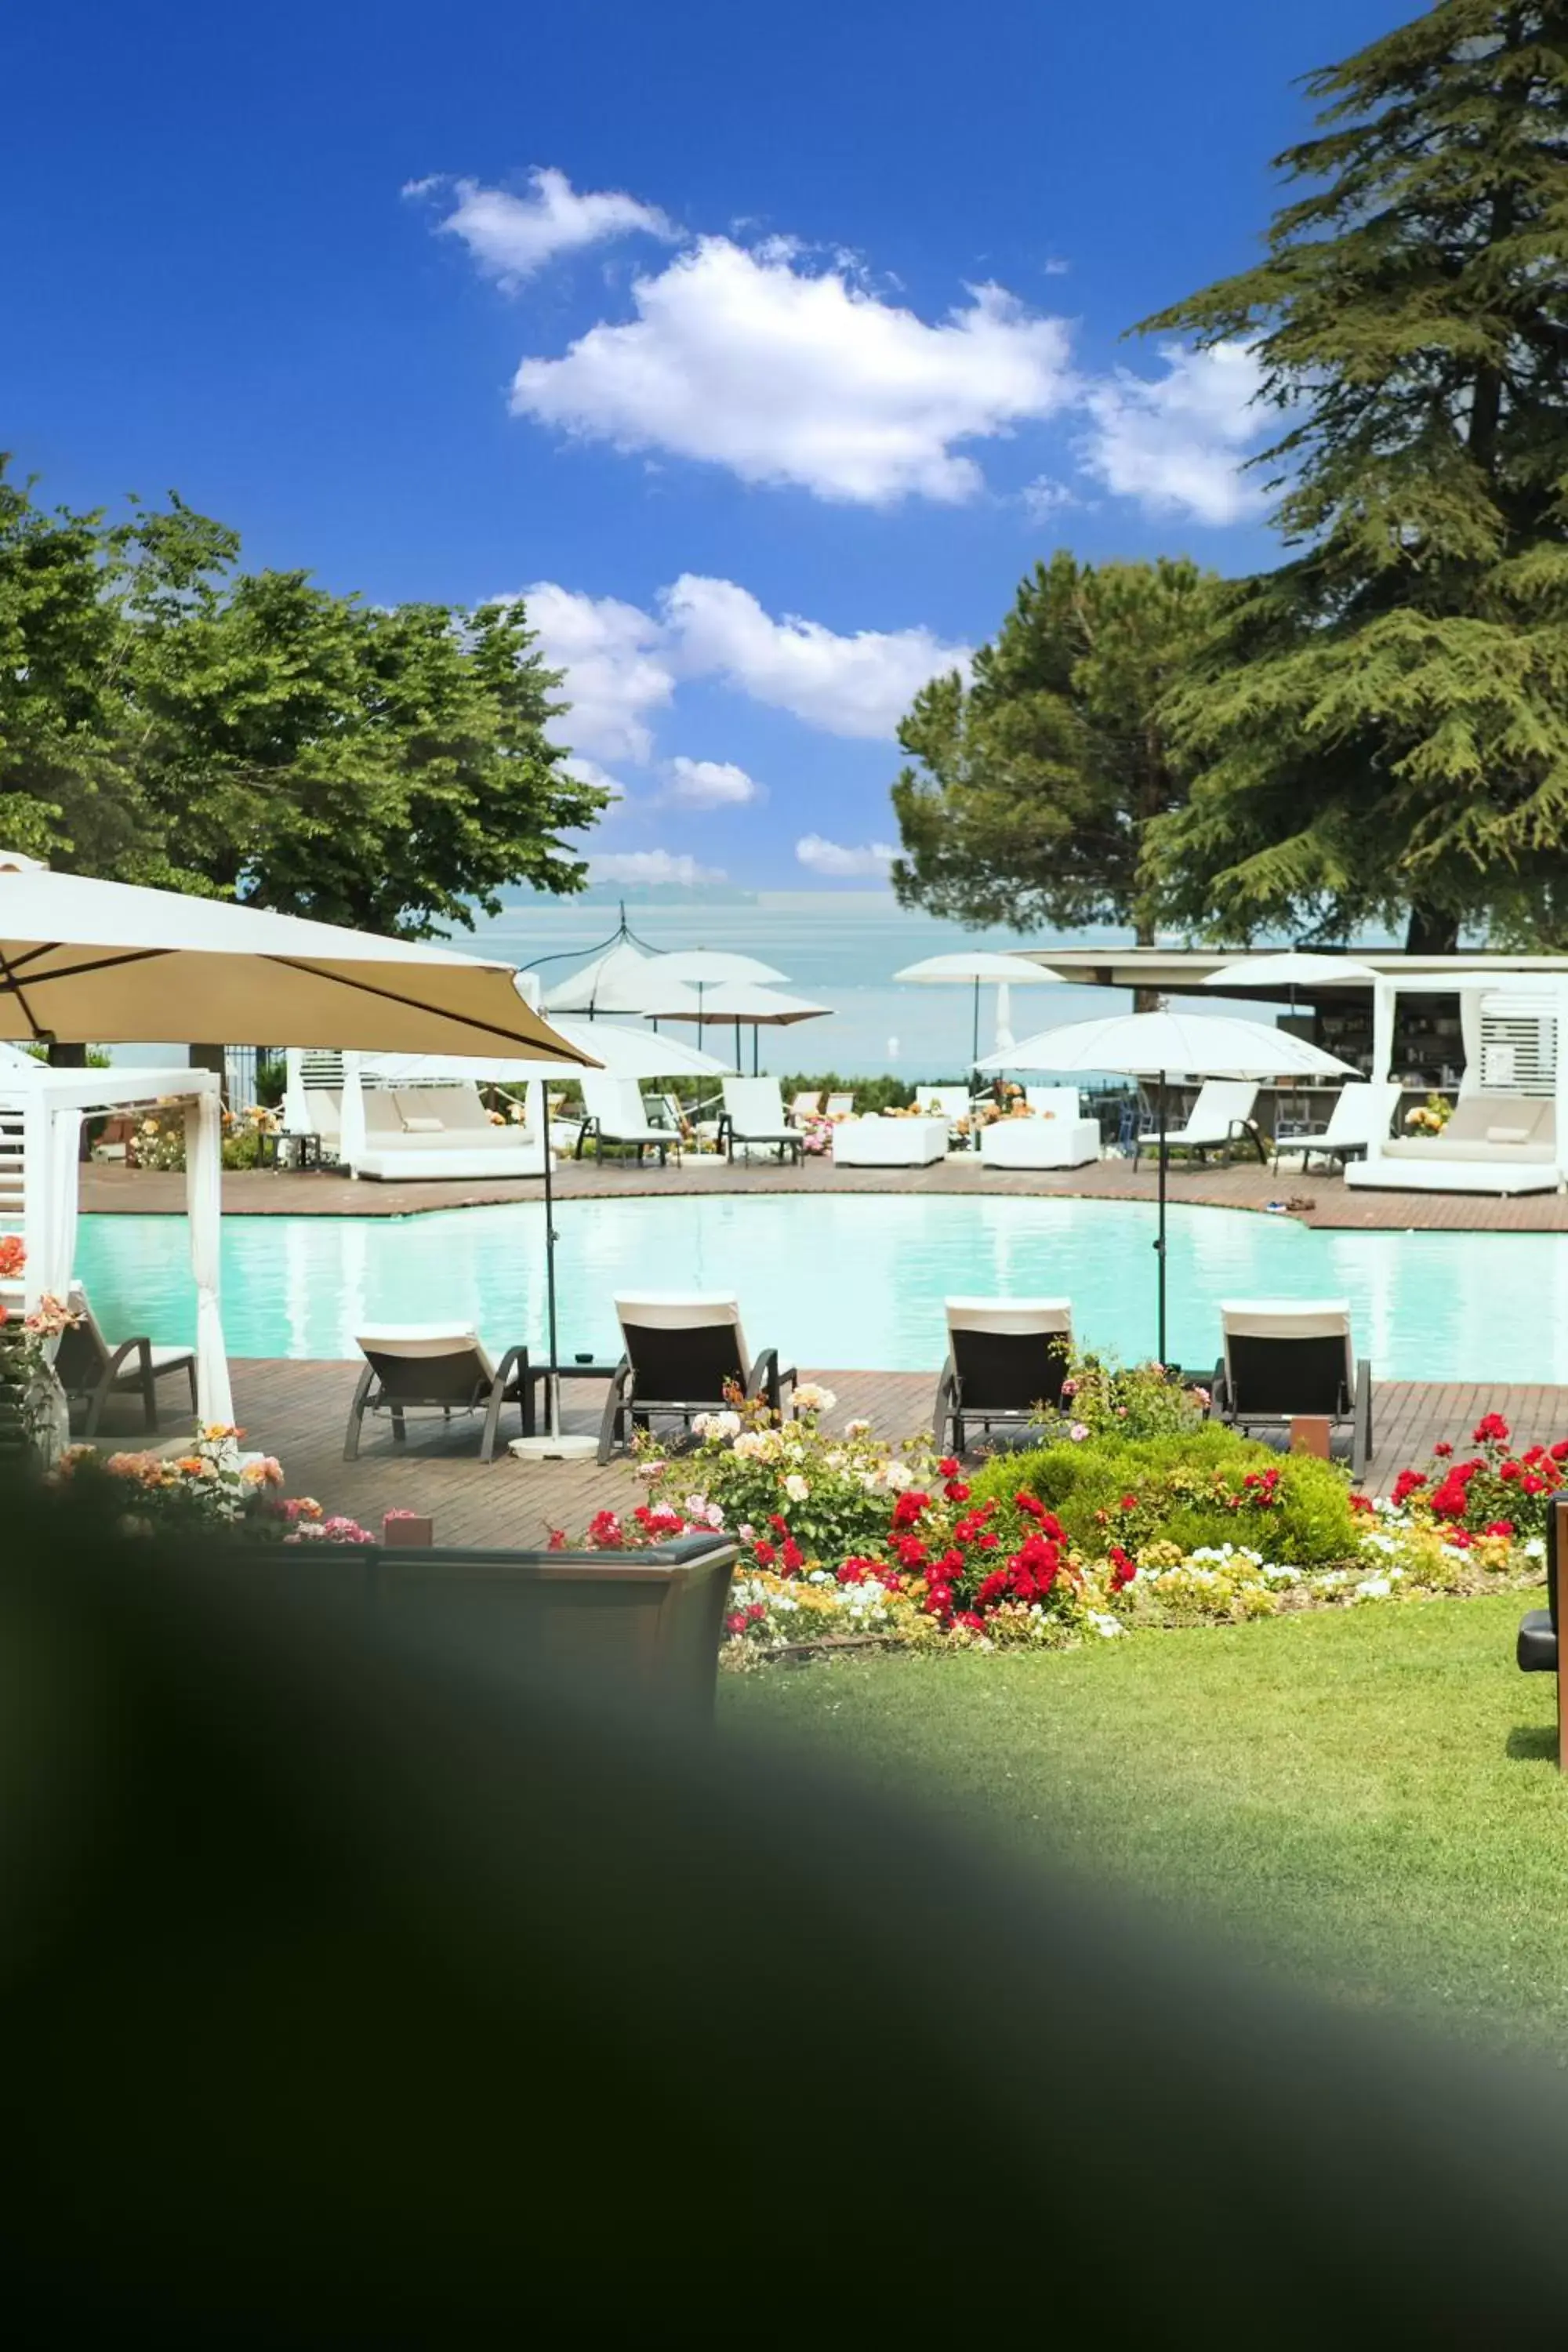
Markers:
(513, 237)
(834, 858)
(1175, 445)
(708, 783)
(616, 671)
(634, 865)
(786, 374)
(859, 686)
(1045, 497)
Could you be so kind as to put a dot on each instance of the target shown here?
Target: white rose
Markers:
(897, 1475)
(796, 1489)
(856, 1428)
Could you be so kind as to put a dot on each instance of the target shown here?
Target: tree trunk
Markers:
(1144, 999)
(66, 1057)
(1429, 932)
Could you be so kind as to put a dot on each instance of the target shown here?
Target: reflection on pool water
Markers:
(852, 1281)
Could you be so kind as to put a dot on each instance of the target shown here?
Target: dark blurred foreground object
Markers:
(1538, 1628)
(354, 1995)
(646, 1625)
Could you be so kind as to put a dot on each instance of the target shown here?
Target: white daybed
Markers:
(878, 1142)
(1053, 1135)
(1505, 1134)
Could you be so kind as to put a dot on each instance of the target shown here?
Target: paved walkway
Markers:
(298, 1411)
(1324, 1200)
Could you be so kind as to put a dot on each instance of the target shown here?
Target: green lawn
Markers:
(1372, 1795)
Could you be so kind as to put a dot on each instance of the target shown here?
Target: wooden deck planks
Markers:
(298, 1411)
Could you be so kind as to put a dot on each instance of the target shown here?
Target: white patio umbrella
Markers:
(714, 968)
(982, 967)
(1293, 968)
(1162, 1046)
(746, 1005)
(82, 960)
(619, 981)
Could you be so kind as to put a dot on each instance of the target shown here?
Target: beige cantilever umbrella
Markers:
(83, 959)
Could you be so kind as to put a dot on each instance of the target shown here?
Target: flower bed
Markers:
(1090, 1538)
(214, 1488)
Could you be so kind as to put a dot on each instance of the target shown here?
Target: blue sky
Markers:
(803, 348)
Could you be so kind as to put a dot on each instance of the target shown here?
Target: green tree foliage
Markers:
(165, 717)
(1380, 727)
(1035, 781)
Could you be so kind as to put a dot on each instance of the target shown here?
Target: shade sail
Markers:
(83, 959)
(1185, 1045)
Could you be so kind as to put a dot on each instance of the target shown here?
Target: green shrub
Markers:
(1203, 1487)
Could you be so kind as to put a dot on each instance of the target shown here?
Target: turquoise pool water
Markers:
(851, 1280)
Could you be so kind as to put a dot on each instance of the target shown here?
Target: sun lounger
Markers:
(839, 1107)
(1222, 1114)
(1006, 1360)
(1287, 1360)
(613, 1114)
(685, 1352)
(753, 1114)
(1359, 1113)
(807, 1104)
(431, 1368)
(91, 1371)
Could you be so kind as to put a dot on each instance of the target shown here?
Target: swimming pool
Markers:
(851, 1280)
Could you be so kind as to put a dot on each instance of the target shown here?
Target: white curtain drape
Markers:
(62, 1185)
(1006, 1041)
(352, 1145)
(203, 1209)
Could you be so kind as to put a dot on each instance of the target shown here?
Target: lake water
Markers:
(839, 948)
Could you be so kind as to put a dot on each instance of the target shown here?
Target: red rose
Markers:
(1560, 1451)
(1442, 1449)
(956, 1491)
(1123, 1568)
(1129, 1502)
(1407, 1484)
(1508, 1472)
(792, 1556)
(765, 1554)
(1491, 1430)
(735, 1623)
(948, 1466)
(1499, 1527)
(910, 1505)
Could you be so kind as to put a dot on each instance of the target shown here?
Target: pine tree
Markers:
(1035, 783)
(1380, 727)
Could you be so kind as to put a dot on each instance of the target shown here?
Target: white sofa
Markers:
(424, 1133)
(1052, 1135)
(1493, 1143)
(879, 1142)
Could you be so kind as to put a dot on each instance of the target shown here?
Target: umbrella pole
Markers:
(974, 1043)
(757, 1043)
(1160, 1244)
(553, 1378)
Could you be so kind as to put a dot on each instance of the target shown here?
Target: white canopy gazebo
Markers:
(41, 1115)
(1508, 1130)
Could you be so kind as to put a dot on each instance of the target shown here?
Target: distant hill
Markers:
(643, 893)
